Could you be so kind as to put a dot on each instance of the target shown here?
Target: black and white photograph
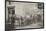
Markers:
(21, 15)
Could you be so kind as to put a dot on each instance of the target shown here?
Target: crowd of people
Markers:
(27, 20)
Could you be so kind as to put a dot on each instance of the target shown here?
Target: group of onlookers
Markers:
(28, 19)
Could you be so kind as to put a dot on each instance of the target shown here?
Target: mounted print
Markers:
(22, 15)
